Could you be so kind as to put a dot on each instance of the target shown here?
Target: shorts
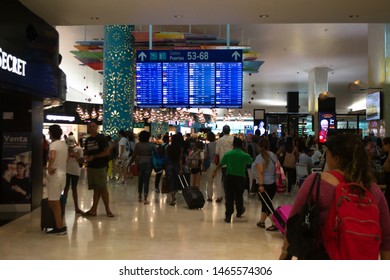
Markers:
(97, 178)
(55, 185)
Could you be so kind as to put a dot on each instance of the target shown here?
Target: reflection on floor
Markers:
(144, 232)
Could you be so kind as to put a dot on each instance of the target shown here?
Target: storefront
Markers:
(29, 73)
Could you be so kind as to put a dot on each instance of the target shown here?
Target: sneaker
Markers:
(58, 231)
(227, 220)
(239, 214)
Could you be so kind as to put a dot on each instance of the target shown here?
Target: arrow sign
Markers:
(236, 55)
(142, 55)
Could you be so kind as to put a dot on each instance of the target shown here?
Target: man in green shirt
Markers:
(236, 161)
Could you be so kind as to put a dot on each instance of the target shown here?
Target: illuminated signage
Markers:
(12, 63)
(60, 118)
(189, 78)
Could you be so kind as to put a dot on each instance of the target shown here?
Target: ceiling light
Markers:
(263, 16)
(94, 18)
(353, 16)
(325, 95)
(178, 16)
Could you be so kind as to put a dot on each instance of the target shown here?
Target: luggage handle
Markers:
(269, 208)
(185, 180)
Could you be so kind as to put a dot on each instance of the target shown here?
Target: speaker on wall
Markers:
(293, 101)
(327, 104)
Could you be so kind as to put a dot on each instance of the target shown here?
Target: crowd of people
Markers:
(242, 163)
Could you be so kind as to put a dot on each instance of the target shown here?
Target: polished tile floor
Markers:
(143, 232)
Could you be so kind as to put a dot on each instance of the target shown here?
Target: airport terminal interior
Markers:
(350, 55)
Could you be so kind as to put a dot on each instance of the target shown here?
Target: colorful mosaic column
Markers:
(118, 87)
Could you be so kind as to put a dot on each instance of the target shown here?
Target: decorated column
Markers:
(118, 88)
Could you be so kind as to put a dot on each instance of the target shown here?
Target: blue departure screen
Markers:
(189, 78)
(175, 84)
(228, 84)
(149, 85)
(202, 84)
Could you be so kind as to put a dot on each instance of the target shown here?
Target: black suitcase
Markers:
(192, 195)
(47, 216)
(165, 185)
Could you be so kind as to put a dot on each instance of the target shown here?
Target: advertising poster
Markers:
(327, 121)
(259, 127)
(15, 188)
(248, 129)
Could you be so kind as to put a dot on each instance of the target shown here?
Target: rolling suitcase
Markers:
(279, 215)
(47, 216)
(192, 195)
(165, 185)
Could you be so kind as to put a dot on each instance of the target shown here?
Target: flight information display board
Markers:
(189, 78)
(202, 84)
(149, 85)
(228, 85)
(175, 85)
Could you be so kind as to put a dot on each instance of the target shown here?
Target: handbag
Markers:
(216, 159)
(165, 185)
(134, 170)
(280, 178)
(303, 228)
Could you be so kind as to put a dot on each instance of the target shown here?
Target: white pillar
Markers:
(318, 82)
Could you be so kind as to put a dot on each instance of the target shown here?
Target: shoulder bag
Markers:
(303, 228)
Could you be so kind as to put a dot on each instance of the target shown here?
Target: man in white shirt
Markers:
(305, 158)
(316, 157)
(224, 144)
(58, 155)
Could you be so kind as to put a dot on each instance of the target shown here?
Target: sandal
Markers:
(261, 224)
(272, 228)
(89, 213)
(173, 203)
(146, 202)
(110, 215)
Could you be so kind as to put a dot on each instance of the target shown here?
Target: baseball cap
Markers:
(71, 141)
